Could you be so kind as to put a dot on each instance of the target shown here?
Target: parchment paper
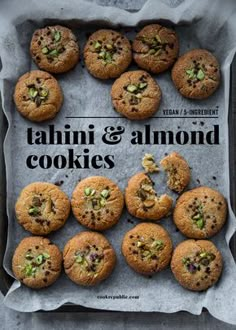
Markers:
(205, 24)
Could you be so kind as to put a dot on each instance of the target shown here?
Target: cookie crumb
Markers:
(149, 164)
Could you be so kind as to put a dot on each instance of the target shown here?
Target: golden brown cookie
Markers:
(54, 49)
(89, 258)
(196, 74)
(156, 48)
(177, 170)
(97, 203)
(107, 54)
(37, 262)
(196, 265)
(42, 207)
(147, 248)
(38, 96)
(200, 212)
(142, 200)
(136, 95)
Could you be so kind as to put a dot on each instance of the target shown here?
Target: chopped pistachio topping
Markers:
(87, 191)
(37, 95)
(200, 75)
(97, 45)
(57, 36)
(198, 217)
(195, 74)
(30, 270)
(79, 259)
(194, 263)
(105, 193)
(45, 50)
(53, 53)
(131, 88)
(158, 244)
(34, 210)
(98, 201)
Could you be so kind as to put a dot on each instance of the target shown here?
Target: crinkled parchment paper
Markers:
(206, 24)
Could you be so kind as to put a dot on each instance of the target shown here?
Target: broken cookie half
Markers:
(142, 200)
(178, 171)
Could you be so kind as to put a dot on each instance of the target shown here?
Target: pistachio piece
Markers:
(102, 54)
(105, 193)
(79, 259)
(142, 85)
(158, 38)
(190, 73)
(152, 51)
(32, 92)
(200, 75)
(34, 211)
(102, 202)
(54, 53)
(200, 223)
(149, 203)
(108, 57)
(57, 36)
(45, 50)
(46, 255)
(140, 244)
(139, 95)
(30, 270)
(43, 93)
(132, 88)
(39, 259)
(87, 191)
(28, 256)
(203, 254)
(97, 45)
(197, 216)
(146, 253)
(158, 244)
(93, 192)
(109, 46)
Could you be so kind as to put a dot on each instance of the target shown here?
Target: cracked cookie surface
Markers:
(147, 248)
(196, 74)
(177, 170)
(89, 258)
(155, 48)
(200, 212)
(42, 208)
(196, 264)
(54, 49)
(107, 54)
(97, 202)
(142, 200)
(38, 96)
(37, 262)
(136, 95)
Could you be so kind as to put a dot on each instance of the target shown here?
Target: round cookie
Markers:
(38, 96)
(147, 248)
(142, 200)
(196, 74)
(107, 54)
(54, 49)
(37, 262)
(177, 170)
(196, 265)
(89, 258)
(136, 95)
(155, 48)
(200, 212)
(42, 207)
(97, 203)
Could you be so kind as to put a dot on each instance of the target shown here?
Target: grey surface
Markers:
(185, 321)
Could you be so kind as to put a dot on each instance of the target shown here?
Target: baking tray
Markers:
(6, 280)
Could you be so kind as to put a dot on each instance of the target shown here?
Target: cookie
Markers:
(196, 74)
(42, 207)
(89, 258)
(155, 48)
(196, 265)
(37, 262)
(54, 49)
(107, 54)
(200, 212)
(38, 96)
(147, 248)
(142, 200)
(97, 203)
(177, 170)
(136, 95)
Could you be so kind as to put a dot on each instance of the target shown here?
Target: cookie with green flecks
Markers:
(155, 48)
(147, 248)
(107, 54)
(196, 74)
(37, 262)
(200, 212)
(196, 264)
(54, 49)
(136, 95)
(38, 96)
(143, 202)
(89, 258)
(42, 207)
(97, 202)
